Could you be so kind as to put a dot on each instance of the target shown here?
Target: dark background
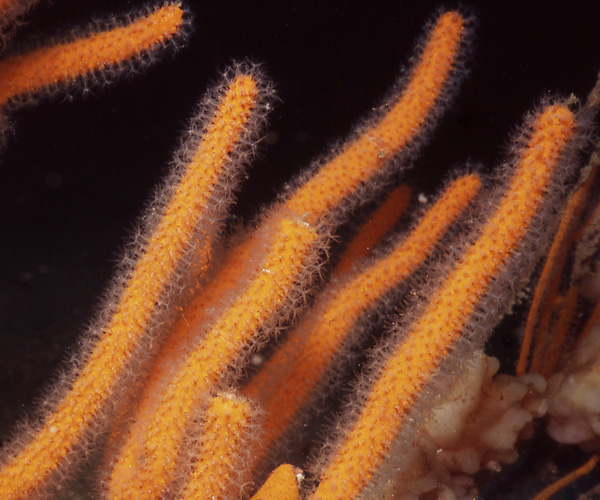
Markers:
(77, 169)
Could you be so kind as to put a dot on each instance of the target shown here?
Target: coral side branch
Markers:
(407, 115)
(191, 198)
(228, 348)
(282, 484)
(47, 67)
(419, 356)
(227, 426)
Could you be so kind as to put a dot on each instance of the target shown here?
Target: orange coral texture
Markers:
(225, 431)
(104, 367)
(415, 361)
(288, 379)
(48, 66)
(312, 202)
(406, 118)
(147, 464)
(66, 427)
(202, 348)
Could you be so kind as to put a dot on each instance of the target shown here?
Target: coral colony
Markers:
(203, 369)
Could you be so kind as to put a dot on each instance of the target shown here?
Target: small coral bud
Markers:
(282, 484)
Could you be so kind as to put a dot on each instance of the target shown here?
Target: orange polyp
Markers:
(367, 442)
(366, 155)
(28, 470)
(375, 147)
(171, 436)
(234, 270)
(48, 66)
(358, 161)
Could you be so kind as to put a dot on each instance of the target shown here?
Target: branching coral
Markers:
(319, 226)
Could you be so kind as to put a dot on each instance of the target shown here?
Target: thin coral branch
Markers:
(374, 229)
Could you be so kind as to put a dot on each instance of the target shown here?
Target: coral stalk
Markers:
(406, 119)
(194, 197)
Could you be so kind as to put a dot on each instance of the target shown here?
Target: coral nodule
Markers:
(219, 347)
